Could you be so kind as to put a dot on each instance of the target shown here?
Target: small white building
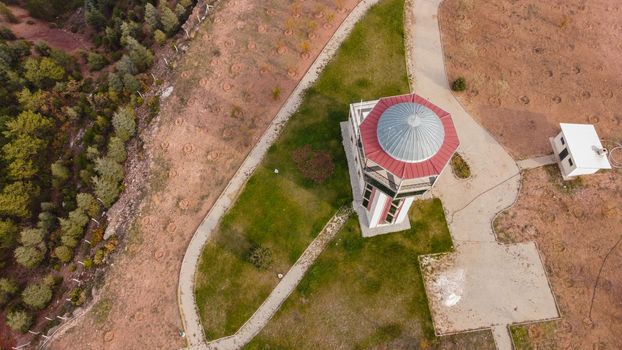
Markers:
(578, 150)
(396, 148)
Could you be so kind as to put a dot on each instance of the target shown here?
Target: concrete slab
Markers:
(485, 285)
(533, 163)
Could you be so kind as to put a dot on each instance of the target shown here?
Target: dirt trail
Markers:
(530, 65)
(244, 61)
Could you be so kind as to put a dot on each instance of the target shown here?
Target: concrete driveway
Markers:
(483, 284)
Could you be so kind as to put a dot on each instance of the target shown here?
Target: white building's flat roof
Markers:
(582, 141)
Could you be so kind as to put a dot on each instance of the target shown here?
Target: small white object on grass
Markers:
(276, 171)
(280, 275)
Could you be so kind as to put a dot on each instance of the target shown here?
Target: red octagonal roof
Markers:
(432, 165)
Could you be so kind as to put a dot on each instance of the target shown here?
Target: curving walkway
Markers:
(187, 306)
(483, 284)
(286, 286)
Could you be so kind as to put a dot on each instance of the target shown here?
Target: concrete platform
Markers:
(485, 285)
(357, 193)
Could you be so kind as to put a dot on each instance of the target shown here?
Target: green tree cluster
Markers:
(32, 249)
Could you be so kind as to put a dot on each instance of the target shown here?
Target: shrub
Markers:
(63, 253)
(314, 165)
(99, 257)
(42, 48)
(7, 14)
(276, 93)
(59, 171)
(77, 296)
(459, 85)
(52, 280)
(260, 257)
(6, 33)
(19, 320)
(460, 167)
(37, 296)
(8, 288)
(88, 263)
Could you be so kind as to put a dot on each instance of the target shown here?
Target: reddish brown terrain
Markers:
(244, 61)
(530, 65)
(576, 227)
(34, 30)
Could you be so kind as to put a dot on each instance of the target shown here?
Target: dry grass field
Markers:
(243, 63)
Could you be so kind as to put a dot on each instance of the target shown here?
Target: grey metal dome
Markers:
(410, 132)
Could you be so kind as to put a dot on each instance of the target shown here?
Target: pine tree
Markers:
(140, 55)
(95, 61)
(19, 320)
(63, 253)
(15, 199)
(30, 257)
(43, 72)
(180, 11)
(31, 237)
(130, 84)
(59, 171)
(126, 66)
(169, 20)
(8, 233)
(37, 296)
(124, 123)
(115, 84)
(106, 190)
(159, 37)
(185, 3)
(8, 288)
(151, 17)
(108, 168)
(116, 149)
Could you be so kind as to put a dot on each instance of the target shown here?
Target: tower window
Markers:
(393, 209)
(367, 195)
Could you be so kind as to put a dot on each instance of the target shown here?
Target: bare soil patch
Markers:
(530, 65)
(34, 30)
(222, 101)
(575, 225)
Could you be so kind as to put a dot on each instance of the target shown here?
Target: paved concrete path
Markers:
(533, 163)
(286, 286)
(187, 306)
(470, 204)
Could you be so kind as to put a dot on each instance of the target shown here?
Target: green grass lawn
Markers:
(368, 292)
(284, 212)
(534, 336)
